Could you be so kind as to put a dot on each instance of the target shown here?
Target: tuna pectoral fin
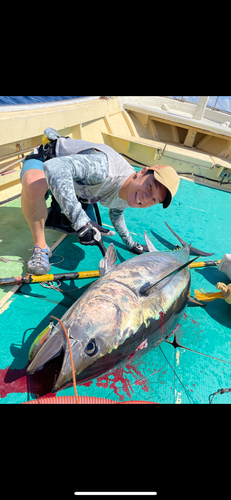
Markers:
(51, 348)
(193, 250)
(108, 261)
(149, 244)
(145, 289)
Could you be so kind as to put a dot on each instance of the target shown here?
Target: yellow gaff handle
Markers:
(64, 276)
(88, 274)
(205, 264)
(40, 279)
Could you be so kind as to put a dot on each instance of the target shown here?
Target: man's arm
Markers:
(60, 173)
(118, 221)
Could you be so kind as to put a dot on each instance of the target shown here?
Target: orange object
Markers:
(65, 400)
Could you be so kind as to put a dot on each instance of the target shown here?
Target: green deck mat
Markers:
(16, 242)
(188, 369)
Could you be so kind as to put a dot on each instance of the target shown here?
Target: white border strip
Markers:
(115, 493)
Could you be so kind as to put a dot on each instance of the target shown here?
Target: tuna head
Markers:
(96, 325)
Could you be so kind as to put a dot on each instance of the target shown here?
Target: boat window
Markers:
(218, 103)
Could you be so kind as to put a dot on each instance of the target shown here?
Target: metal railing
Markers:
(12, 155)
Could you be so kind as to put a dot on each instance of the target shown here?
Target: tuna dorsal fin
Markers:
(150, 245)
(193, 249)
(178, 237)
(108, 261)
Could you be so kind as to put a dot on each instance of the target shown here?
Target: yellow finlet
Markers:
(201, 295)
(209, 296)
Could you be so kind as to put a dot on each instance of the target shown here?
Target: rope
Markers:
(5, 259)
(50, 284)
(220, 391)
(71, 357)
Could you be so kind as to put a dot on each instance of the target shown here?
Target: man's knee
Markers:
(34, 186)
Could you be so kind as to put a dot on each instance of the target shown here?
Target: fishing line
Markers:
(71, 357)
(189, 395)
(56, 263)
(179, 206)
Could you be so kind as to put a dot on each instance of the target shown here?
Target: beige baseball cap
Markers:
(169, 178)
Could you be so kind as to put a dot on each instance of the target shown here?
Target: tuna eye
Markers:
(91, 348)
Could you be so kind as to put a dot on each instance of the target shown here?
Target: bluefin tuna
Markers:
(130, 304)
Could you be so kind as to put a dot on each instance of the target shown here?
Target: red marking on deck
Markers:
(120, 376)
(16, 381)
(12, 381)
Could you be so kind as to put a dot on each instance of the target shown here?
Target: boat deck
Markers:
(195, 361)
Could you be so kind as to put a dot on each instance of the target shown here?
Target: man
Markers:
(96, 173)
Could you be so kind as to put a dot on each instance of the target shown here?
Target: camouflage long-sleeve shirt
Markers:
(93, 176)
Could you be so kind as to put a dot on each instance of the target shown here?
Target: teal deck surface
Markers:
(196, 360)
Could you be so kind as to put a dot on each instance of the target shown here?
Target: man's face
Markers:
(144, 191)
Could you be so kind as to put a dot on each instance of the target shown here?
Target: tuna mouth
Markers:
(46, 365)
(52, 351)
(43, 379)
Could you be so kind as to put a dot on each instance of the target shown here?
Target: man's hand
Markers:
(138, 249)
(104, 232)
(86, 235)
(90, 234)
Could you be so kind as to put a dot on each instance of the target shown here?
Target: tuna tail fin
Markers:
(149, 244)
(108, 261)
(194, 250)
